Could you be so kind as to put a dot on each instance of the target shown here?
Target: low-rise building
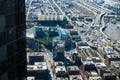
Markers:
(95, 78)
(100, 64)
(102, 70)
(113, 57)
(88, 66)
(39, 70)
(35, 57)
(109, 76)
(60, 71)
(115, 65)
(73, 70)
(31, 78)
(91, 74)
(62, 78)
(75, 77)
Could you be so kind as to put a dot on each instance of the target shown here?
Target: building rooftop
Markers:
(75, 77)
(37, 66)
(95, 78)
(116, 63)
(36, 54)
(100, 64)
(62, 78)
(113, 56)
(104, 69)
(50, 16)
(109, 74)
(93, 73)
(72, 68)
(88, 62)
(83, 45)
(59, 63)
(31, 78)
(60, 68)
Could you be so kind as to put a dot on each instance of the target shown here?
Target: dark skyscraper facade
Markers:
(12, 40)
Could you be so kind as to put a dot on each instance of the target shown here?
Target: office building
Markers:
(12, 40)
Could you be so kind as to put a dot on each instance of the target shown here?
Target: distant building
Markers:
(88, 66)
(58, 50)
(76, 37)
(60, 63)
(91, 74)
(95, 78)
(60, 71)
(83, 45)
(73, 70)
(76, 59)
(63, 33)
(99, 64)
(94, 59)
(62, 78)
(35, 57)
(73, 32)
(39, 70)
(102, 70)
(109, 76)
(75, 77)
(31, 78)
(68, 26)
(115, 65)
(39, 33)
(113, 57)
(51, 19)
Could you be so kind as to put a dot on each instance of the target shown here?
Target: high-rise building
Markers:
(12, 40)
